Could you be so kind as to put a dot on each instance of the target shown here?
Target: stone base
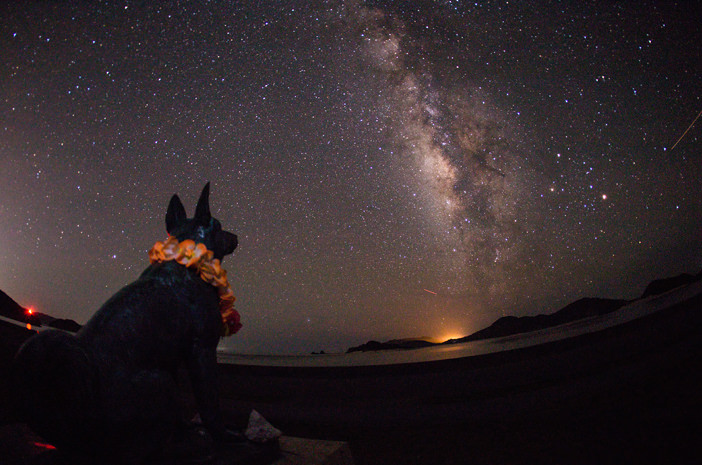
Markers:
(301, 451)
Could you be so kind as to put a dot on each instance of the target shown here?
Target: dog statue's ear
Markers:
(175, 214)
(202, 211)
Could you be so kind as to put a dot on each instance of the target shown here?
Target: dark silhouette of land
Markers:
(11, 309)
(506, 326)
(511, 325)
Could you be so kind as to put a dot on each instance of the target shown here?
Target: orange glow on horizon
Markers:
(451, 336)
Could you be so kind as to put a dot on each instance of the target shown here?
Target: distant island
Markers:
(510, 325)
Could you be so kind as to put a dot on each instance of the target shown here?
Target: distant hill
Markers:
(659, 286)
(11, 309)
(510, 325)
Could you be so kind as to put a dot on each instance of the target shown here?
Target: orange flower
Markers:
(226, 296)
(184, 251)
(224, 293)
(170, 248)
(221, 279)
(156, 253)
(195, 255)
(208, 270)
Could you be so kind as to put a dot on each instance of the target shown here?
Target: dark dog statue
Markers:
(110, 391)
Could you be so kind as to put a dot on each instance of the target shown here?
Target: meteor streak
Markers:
(430, 292)
(688, 128)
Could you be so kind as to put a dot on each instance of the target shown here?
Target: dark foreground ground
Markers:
(660, 433)
(667, 431)
(629, 395)
(656, 423)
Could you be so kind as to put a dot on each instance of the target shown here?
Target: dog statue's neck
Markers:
(199, 258)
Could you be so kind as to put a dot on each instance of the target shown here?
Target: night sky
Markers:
(392, 169)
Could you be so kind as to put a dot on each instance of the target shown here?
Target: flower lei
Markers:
(196, 256)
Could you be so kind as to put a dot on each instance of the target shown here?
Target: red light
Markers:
(43, 445)
(30, 310)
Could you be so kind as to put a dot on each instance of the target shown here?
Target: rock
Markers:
(259, 430)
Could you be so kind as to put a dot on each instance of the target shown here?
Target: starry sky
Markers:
(392, 169)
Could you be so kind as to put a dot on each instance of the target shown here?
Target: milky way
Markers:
(455, 154)
(392, 169)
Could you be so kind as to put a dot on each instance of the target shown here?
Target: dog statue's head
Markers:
(203, 228)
